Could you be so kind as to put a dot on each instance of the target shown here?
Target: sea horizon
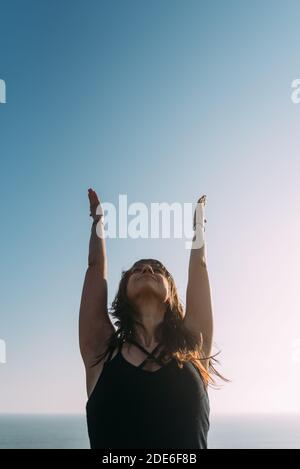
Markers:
(227, 431)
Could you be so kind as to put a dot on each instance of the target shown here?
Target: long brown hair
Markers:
(178, 342)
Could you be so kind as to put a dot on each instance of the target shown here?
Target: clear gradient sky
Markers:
(162, 101)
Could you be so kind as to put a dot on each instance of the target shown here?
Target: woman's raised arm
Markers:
(199, 314)
(95, 326)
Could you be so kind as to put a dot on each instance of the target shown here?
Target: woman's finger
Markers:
(93, 197)
(202, 199)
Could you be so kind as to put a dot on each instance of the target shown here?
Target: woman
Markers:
(147, 380)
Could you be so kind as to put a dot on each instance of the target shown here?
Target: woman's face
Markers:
(147, 278)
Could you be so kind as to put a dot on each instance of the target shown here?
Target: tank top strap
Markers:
(120, 345)
(156, 359)
(149, 354)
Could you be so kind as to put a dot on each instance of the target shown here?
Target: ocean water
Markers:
(70, 431)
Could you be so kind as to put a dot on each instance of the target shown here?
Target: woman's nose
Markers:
(146, 268)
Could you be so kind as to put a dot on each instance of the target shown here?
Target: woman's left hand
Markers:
(202, 201)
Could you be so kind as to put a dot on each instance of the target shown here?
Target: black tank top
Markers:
(134, 408)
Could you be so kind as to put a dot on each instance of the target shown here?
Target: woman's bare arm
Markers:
(95, 326)
(199, 314)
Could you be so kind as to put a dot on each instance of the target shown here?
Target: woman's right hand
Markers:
(94, 202)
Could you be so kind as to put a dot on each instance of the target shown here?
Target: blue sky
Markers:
(162, 101)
